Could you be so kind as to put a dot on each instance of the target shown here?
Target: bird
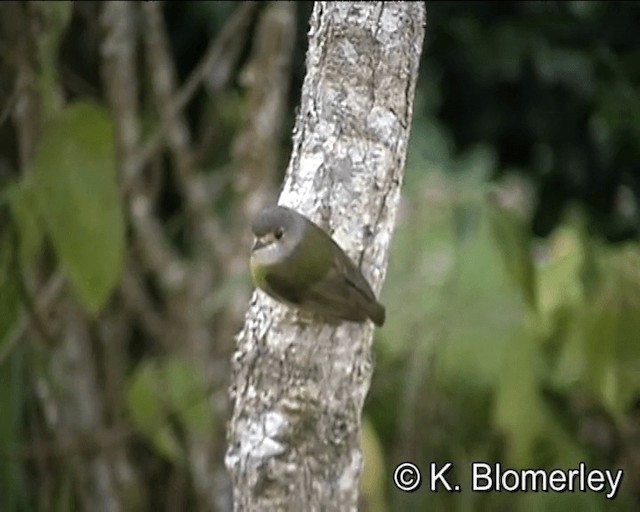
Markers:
(297, 263)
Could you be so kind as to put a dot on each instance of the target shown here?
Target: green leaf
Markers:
(77, 196)
(485, 311)
(519, 411)
(149, 412)
(559, 277)
(29, 229)
(513, 240)
(186, 395)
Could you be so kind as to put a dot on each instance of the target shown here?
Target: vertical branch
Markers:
(184, 303)
(120, 76)
(79, 413)
(20, 55)
(299, 389)
(191, 185)
(119, 73)
(256, 148)
(266, 77)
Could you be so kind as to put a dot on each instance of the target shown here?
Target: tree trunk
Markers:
(299, 389)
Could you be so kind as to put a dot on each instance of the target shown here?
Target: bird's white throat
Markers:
(269, 254)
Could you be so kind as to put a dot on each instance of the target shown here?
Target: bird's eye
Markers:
(279, 232)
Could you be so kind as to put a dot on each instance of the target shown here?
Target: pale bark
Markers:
(299, 388)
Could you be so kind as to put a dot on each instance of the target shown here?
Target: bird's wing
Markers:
(354, 277)
(334, 296)
(342, 292)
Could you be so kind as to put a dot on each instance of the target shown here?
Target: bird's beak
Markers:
(262, 241)
(258, 242)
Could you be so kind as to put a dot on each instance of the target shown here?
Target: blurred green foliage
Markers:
(498, 354)
(501, 346)
(77, 198)
(162, 398)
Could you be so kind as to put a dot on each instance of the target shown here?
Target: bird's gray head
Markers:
(279, 225)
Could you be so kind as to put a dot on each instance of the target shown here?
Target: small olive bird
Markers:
(296, 262)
